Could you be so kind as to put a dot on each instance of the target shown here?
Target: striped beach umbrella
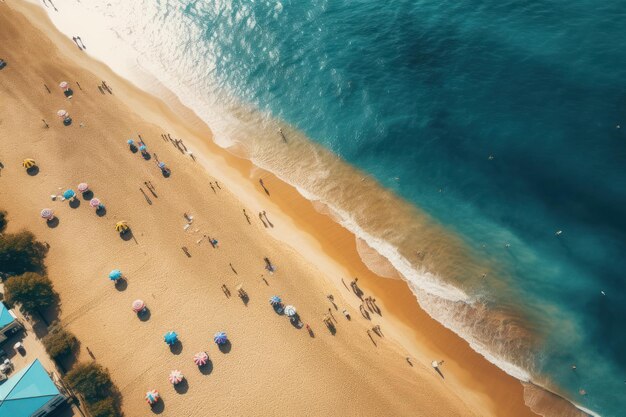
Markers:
(82, 187)
(290, 311)
(69, 194)
(152, 396)
(94, 202)
(138, 306)
(201, 358)
(162, 165)
(47, 214)
(220, 338)
(115, 275)
(122, 227)
(275, 300)
(64, 85)
(176, 377)
(170, 338)
(28, 163)
(62, 114)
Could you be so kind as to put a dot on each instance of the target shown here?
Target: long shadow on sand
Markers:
(206, 369)
(32, 171)
(159, 407)
(121, 284)
(53, 223)
(182, 387)
(145, 316)
(177, 348)
(226, 347)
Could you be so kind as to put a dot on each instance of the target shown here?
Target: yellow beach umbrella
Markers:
(122, 227)
(28, 163)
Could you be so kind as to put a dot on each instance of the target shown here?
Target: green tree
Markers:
(31, 290)
(91, 380)
(20, 253)
(104, 408)
(3, 220)
(59, 342)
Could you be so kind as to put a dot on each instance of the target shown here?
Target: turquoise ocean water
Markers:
(504, 120)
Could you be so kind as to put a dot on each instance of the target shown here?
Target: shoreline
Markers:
(329, 246)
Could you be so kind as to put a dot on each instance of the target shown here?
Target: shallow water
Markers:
(499, 120)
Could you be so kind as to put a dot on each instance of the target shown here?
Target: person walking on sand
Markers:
(218, 185)
(212, 188)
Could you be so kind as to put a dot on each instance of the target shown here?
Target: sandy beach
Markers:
(273, 367)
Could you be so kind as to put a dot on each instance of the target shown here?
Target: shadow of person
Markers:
(88, 195)
(206, 369)
(145, 315)
(226, 347)
(53, 223)
(159, 407)
(331, 328)
(439, 372)
(311, 333)
(121, 284)
(182, 387)
(75, 203)
(101, 211)
(32, 171)
(176, 348)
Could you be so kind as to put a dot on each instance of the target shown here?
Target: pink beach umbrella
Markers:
(138, 306)
(64, 85)
(82, 187)
(95, 203)
(47, 214)
(201, 358)
(176, 377)
(152, 396)
(62, 114)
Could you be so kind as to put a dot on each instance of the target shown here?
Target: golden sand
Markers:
(273, 367)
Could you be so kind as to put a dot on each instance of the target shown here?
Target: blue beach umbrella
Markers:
(69, 194)
(170, 338)
(115, 274)
(130, 142)
(275, 300)
(220, 338)
(142, 148)
(161, 165)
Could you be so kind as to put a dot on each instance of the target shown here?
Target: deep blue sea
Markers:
(504, 120)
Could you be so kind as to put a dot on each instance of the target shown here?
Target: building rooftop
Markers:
(27, 391)
(6, 317)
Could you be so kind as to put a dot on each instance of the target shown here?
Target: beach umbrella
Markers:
(220, 338)
(176, 377)
(130, 142)
(152, 396)
(142, 148)
(275, 300)
(138, 305)
(115, 275)
(64, 85)
(201, 358)
(69, 194)
(82, 187)
(162, 165)
(290, 311)
(435, 364)
(121, 227)
(94, 202)
(47, 214)
(28, 163)
(170, 338)
(62, 114)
